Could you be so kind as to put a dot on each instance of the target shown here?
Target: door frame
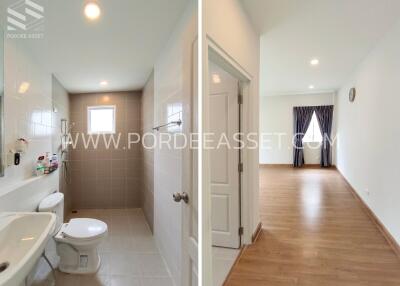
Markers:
(212, 51)
(189, 167)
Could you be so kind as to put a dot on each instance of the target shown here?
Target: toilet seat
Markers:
(84, 228)
(82, 231)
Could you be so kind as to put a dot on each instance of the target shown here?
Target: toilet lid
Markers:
(85, 228)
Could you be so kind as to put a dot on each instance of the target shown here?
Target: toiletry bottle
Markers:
(54, 161)
(40, 166)
(47, 163)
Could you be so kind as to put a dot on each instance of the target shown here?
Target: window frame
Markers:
(101, 107)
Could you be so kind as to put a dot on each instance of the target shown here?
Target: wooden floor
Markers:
(314, 233)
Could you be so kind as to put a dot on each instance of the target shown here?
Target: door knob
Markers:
(181, 197)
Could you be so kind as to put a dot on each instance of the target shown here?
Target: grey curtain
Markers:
(325, 117)
(301, 119)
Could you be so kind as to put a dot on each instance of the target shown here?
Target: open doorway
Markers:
(226, 163)
(225, 169)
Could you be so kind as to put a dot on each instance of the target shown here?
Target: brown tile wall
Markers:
(107, 177)
(148, 154)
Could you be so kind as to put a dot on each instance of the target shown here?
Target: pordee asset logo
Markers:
(25, 19)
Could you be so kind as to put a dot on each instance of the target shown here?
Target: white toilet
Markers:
(76, 240)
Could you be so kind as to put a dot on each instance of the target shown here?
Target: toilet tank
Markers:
(54, 203)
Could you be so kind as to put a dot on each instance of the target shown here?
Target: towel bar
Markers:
(179, 123)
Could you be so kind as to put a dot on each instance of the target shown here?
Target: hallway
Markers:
(315, 232)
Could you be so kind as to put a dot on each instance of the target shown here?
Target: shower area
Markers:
(104, 171)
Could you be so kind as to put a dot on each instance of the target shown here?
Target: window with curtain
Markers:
(313, 133)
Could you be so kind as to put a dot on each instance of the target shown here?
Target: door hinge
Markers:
(240, 95)
(240, 98)
(241, 230)
(240, 167)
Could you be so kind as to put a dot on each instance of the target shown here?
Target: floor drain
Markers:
(4, 266)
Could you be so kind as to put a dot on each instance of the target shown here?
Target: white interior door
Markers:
(224, 158)
(190, 185)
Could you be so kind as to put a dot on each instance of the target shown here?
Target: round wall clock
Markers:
(352, 94)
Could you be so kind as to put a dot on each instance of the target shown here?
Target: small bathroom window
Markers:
(101, 119)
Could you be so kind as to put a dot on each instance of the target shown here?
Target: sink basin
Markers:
(23, 237)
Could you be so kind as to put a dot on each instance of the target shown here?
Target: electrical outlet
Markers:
(366, 191)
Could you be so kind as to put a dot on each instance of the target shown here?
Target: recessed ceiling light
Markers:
(311, 86)
(105, 98)
(104, 83)
(23, 87)
(314, 62)
(216, 78)
(92, 11)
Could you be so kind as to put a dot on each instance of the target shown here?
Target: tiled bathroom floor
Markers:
(223, 260)
(129, 254)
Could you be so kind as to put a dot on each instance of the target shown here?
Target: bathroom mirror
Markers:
(2, 160)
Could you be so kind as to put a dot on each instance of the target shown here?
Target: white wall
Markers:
(172, 73)
(276, 123)
(28, 116)
(27, 195)
(1, 64)
(368, 153)
(228, 25)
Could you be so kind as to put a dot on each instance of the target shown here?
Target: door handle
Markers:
(181, 197)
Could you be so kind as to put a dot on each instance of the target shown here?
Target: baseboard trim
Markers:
(381, 227)
(305, 166)
(242, 249)
(276, 165)
(256, 233)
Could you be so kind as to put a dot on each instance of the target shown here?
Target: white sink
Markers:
(23, 237)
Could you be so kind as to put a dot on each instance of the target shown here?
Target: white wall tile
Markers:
(26, 115)
(171, 72)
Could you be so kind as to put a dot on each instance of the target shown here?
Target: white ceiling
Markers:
(120, 47)
(340, 33)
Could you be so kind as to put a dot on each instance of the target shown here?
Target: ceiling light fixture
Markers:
(314, 62)
(216, 78)
(23, 87)
(92, 11)
(105, 98)
(311, 86)
(104, 83)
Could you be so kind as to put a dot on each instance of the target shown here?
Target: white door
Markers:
(224, 158)
(189, 184)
